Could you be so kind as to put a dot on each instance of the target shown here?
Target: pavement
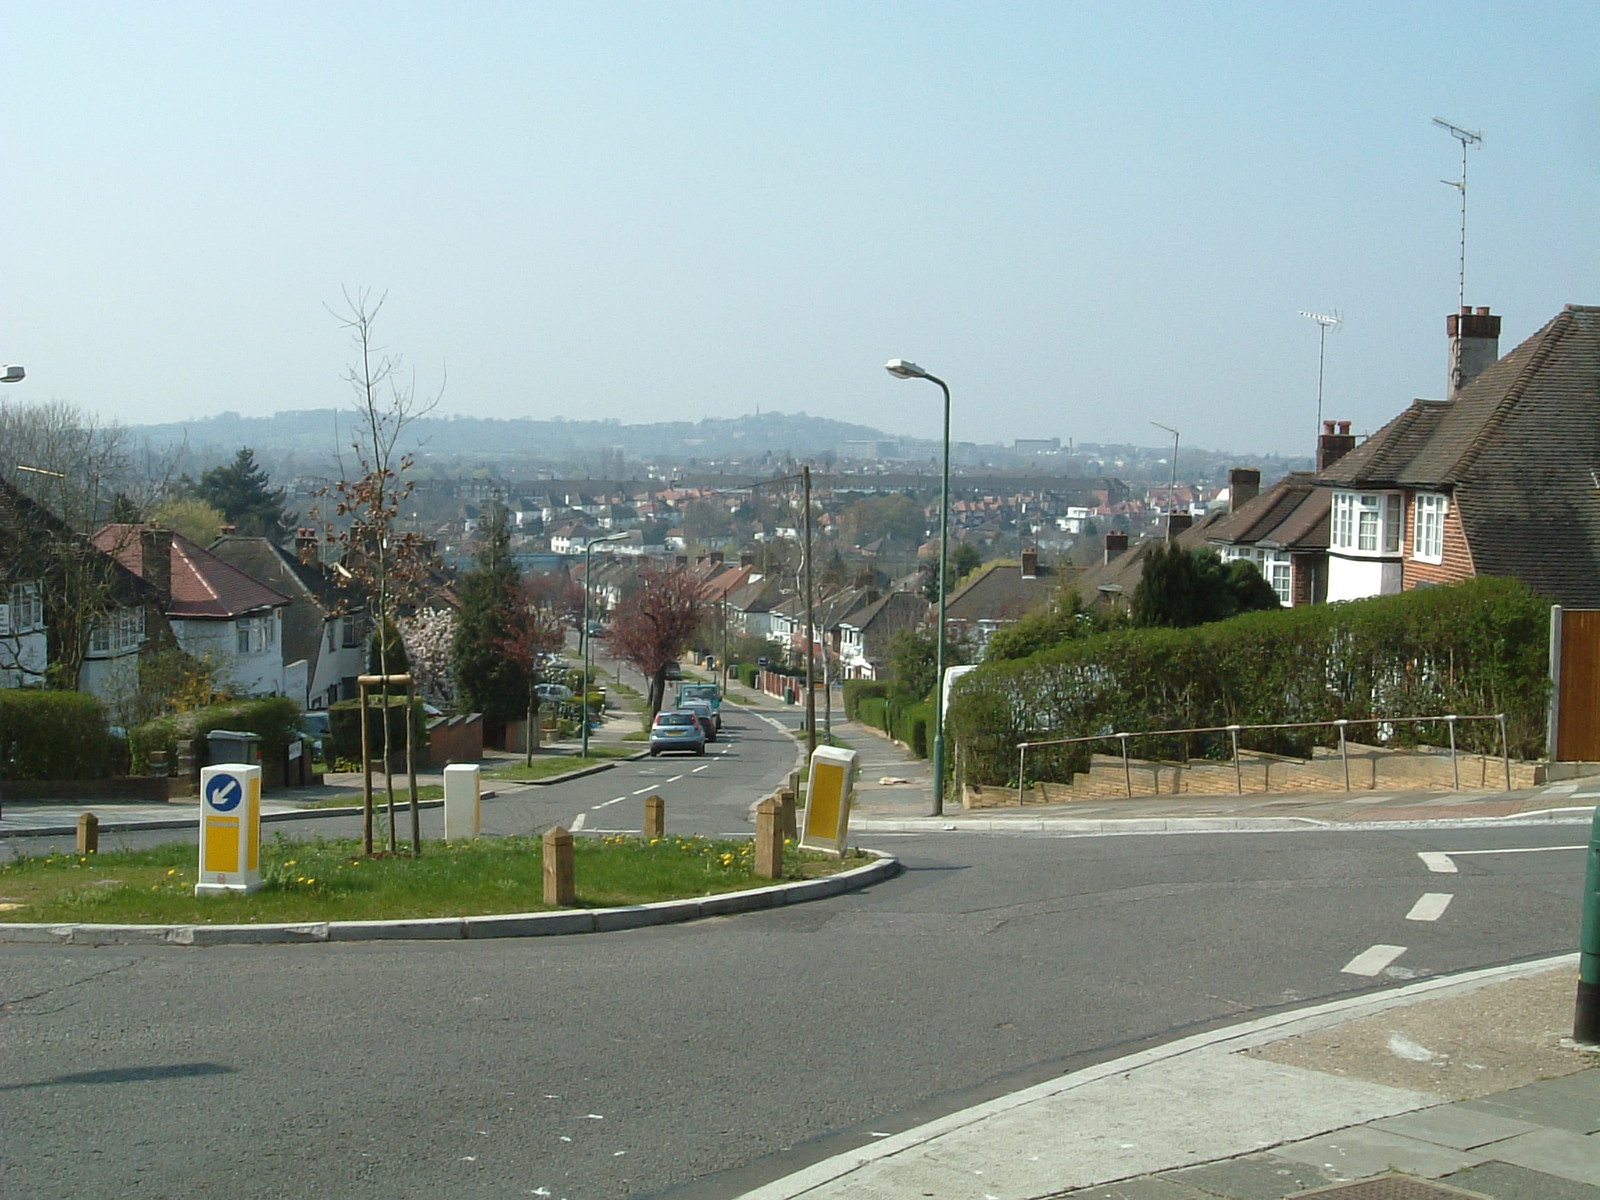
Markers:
(1458, 1086)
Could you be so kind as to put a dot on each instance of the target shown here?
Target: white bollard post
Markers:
(230, 830)
(463, 801)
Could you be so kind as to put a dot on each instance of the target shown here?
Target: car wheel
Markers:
(702, 750)
(654, 752)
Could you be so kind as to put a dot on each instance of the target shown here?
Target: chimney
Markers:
(747, 558)
(155, 561)
(305, 545)
(1244, 485)
(1116, 543)
(1474, 345)
(1030, 563)
(1177, 522)
(716, 558)
(1331, 446)
(683, 560)
(228, 530)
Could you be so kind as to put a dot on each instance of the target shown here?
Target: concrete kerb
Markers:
(1252, 1033)
(550, 924)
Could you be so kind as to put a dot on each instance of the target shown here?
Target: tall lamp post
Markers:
(587, 657)
(901, 369)
(1172, 488)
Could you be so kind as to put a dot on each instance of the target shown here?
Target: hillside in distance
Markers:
(311, 432)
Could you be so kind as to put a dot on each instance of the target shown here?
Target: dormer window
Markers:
(1366, 522)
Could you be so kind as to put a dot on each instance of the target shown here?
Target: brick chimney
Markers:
(1030, 563)
(1331, 446)
(716, 558)
(747, 558)
(1177, 522)
(1474, 345)
(1116, 543)
(306, 548)
(1244, 485)
(683, 560)
(155, 561)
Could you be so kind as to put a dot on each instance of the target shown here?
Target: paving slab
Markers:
(1254, 1177)
(1541, 1104)
(1574, 1156)
(1360, 1151)
(1454, 1125)
(1506, 1182)
(1146, 1187)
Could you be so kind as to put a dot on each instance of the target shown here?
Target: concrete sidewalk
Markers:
(1463, 1080)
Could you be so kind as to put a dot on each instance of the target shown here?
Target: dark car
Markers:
(707, 716)
(676, 729)
(674, 670)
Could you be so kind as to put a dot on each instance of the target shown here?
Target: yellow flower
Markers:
(172, 870)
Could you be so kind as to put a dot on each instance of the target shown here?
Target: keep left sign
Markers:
(230, 830)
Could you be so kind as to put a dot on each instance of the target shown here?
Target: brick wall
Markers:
(455, 740)
(1457, 565)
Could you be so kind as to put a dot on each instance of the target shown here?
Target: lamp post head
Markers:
(13, 375)
(902, 368)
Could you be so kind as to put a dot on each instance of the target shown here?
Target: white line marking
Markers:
(1430, 907)
(674, 779)
(707, 767)
(1436, 862)
(577, 823)
(1515, 850)
(643, 790)
(607, 803)
(1372, 960)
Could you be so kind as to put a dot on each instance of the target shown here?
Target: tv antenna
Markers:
(1467, 137)
(1325, 322)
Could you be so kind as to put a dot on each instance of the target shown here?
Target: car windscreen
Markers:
(675, 718)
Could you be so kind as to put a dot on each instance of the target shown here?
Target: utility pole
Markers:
(811, 626)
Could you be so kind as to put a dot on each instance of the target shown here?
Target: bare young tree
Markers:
(534, 628)
(386, 567)
(655, 625)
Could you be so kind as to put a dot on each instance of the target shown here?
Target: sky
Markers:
(1085, 217)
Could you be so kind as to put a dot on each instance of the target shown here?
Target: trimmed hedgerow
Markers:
(53, 735)
(1474, 648)
(272, 718)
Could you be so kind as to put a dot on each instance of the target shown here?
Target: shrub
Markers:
(749, 674)
(53, 735)
(274, 719)
(1474, 648)
(856, 690)
(344, 729)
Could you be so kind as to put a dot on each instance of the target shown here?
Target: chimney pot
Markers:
(1331, 447)
(1344, 428)
(1327, 427)
(1483, 310)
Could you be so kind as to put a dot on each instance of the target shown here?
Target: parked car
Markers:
(314, 728)
(674, 670)
(676, 729)
(552, 692)
(703, 711)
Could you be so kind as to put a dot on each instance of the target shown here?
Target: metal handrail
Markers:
(1235, 730)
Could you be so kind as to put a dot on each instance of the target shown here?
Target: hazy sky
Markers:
(1086, 217)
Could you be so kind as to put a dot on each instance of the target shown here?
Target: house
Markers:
(325, 639)
(998, 595)
(865, 634)
(1501, 478)
(216, 611)
(1283, 530)
(70, 601)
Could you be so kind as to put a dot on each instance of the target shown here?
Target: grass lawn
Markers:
(546, 765)
(330, 880)
(380, 798)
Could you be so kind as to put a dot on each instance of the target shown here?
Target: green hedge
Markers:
(856, 690)
(1474, 648)
(272, 718)
(749, 674)
(909, 723)
(344, 730)
(54, 735)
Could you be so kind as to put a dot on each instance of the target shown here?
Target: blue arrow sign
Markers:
(223, 793)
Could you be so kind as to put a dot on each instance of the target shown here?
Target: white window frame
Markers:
(120, 632)
(26, 609)
(1427, 536)
(1275, 567)
(1366, 523)
(256, 635)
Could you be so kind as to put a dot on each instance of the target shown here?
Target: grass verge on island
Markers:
(329, 880)
(546, 766)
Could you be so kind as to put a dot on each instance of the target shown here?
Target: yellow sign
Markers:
(230, 830)
(828, 795)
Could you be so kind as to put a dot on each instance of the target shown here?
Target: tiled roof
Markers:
(203, 585)
(1517, 450)
(1292, 514)
(1001, 592)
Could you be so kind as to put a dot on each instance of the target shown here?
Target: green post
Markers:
(1586, 1024)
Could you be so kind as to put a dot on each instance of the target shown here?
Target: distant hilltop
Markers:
(319, 431)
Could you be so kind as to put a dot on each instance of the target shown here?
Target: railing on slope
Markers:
(1235, 730)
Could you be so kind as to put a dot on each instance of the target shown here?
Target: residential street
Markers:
(714, 1056)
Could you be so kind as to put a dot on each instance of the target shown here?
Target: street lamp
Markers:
(1172, 488)
(13, 375)
(583, 707)
(901, 369)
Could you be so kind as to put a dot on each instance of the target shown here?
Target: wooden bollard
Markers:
(655, 817)
(88, 834)
(560, 879)
(786, 813)
(769, 840)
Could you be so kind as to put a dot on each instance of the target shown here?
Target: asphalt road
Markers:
(704, 1059)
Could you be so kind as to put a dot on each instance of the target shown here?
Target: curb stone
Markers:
(551, 924)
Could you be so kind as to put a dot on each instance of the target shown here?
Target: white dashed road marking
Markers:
(1372, 960)
(699, 769)
(1436, 862)
(608, 803)
(577, 823)
(1430, 907)
(674, 779)
(643, 790)
(1440, 861)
